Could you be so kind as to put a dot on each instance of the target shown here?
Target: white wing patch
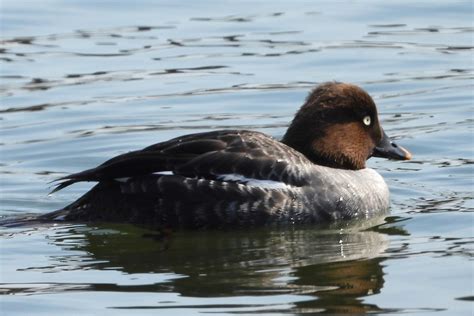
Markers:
(168, 173)
(232, 177)
(264, 184)
(125, 179)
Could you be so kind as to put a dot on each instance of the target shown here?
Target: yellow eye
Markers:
(367, 120)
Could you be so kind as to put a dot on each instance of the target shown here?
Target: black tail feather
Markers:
(63, 184)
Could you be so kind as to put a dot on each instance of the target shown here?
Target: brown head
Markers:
(338, 127)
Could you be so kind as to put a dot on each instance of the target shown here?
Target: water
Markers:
(83, 81)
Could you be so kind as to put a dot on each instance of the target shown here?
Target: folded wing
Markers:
(211, 155)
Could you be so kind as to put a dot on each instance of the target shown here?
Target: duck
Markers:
(221, 179)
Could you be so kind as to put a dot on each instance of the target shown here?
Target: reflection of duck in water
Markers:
(237, 178)
(317, 268)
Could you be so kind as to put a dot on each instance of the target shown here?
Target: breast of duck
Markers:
(238, 178)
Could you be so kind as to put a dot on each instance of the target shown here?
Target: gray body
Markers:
(250, 180)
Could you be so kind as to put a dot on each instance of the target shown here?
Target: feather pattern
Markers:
(250, 154)
(219, 179)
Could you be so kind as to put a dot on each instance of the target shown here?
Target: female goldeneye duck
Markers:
(234, 178)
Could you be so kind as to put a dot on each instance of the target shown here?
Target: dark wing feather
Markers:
(251, 154)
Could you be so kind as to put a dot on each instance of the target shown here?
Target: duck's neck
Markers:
(307, 148)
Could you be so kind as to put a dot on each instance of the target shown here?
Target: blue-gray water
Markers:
(82, 81)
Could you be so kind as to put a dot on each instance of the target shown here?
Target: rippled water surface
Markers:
(82, 81)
